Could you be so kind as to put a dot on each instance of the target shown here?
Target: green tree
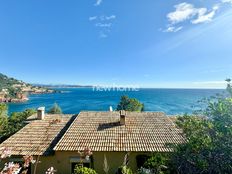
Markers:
(208, 147)
(55, 109)
(13, 123)
(229, 87)
(130, 104)
(16, 121)
(3, 120)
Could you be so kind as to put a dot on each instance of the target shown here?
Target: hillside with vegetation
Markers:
(13, 90)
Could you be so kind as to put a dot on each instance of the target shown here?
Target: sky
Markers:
(143, 43)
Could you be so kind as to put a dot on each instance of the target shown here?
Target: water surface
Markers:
(74, 100)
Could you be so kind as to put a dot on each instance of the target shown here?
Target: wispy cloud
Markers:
(98, 2)
(91, 18)
(102, 18)
(110, 17)
(173, 29)
(104, 23)
(188, 12)
(107, 18)
(107, 25)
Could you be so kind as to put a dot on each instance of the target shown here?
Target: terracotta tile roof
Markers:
(101, 131)
(39, 136)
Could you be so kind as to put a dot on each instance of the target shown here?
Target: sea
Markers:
(74, 100)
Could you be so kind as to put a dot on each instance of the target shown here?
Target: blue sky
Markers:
(152, 43)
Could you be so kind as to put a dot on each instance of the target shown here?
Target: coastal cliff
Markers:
(13, 90)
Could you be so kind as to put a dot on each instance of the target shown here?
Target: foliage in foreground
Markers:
(158, 163)
(3, 120)
(124, 170)
(130, 104)
(13, 123)
(209, 139)
(83, 170)
(55, 109)
(208, 147)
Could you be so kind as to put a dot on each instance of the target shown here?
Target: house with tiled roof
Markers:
(109, 135)
(37, 139)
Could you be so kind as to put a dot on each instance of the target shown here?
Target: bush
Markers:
(124, 170)
(158, 163)
(209, 145)
(144, 171)
(55, 109)
(83, 170)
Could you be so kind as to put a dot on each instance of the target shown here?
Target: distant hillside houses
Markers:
(2, 94)
(12, 90)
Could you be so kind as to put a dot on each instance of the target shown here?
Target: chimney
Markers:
(111, 109)
(122, 117)
(40, 113)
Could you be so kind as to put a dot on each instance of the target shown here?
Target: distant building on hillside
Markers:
(57, 139)
(2, 96)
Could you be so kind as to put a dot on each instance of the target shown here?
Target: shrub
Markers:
(158, 163)
(55, 109)
(209, 145)
(83, 170)
(124, 170)
(144, 171)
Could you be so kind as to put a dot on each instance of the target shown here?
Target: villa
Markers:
(57, 139)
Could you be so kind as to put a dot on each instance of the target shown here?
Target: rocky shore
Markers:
(17, 91)
(13, 100)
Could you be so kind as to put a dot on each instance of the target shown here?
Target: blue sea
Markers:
(74, 100)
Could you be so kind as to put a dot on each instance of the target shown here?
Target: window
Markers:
(141, 159)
